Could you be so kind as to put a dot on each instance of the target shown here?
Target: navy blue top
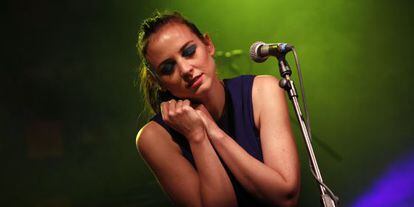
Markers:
(238, 122)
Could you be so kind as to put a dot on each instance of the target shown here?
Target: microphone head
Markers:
(255, 52)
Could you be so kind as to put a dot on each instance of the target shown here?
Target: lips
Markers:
(195, 82)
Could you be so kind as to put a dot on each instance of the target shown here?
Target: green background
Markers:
(71, 108)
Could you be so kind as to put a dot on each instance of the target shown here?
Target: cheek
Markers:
(172, 83)
(211, 65)
(205, 59)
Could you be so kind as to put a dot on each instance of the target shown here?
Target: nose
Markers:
(185, 68)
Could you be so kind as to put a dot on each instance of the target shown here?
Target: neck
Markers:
(215, 99)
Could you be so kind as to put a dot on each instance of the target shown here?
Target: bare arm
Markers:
(172, 171)
(207, 186)
(277, 180)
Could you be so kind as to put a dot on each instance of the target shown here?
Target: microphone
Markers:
(260, 51)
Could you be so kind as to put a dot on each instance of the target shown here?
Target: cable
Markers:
(308, 127)
(331, 194)
(302, 91)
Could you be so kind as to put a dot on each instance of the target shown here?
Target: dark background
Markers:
(70, 106)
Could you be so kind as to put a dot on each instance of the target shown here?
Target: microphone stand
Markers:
(288, 85)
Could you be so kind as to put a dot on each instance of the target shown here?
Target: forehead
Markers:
(171, 28)
(168, 39)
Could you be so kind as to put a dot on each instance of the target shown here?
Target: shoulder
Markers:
(152, 138)
(265, 81)
(266, 87)
(266, 94)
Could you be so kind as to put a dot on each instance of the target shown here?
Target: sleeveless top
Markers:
(238, 122)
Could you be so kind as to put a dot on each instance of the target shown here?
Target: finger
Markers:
(171, 108)
(164, 110)
(201, 107)
(203, 110)
(179, 107)
(186, 102)
(186, 105)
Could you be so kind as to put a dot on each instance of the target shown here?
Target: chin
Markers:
(200, 92)
(203, 90)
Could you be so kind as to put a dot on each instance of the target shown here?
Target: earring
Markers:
(162, 88)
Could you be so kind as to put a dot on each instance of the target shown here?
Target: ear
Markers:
(209, 44)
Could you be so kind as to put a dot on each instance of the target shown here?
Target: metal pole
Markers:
(288, 85)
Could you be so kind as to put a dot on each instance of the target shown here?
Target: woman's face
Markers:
(183, 62)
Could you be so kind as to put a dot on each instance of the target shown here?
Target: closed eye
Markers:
(167, 68)
(189, 51)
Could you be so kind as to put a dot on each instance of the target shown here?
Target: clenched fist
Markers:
(182, 117)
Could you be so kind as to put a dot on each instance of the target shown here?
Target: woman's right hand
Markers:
(183, 118)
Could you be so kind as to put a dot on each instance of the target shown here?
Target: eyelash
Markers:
(168, 67)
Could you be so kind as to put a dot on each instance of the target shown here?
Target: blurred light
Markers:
(394, 188)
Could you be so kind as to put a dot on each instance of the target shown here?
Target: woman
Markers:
(212, 142)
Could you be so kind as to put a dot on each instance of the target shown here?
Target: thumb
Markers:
(204, 110)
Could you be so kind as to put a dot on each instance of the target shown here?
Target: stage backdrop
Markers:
(71, 108)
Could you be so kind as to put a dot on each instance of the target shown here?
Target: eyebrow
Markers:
(181, 50)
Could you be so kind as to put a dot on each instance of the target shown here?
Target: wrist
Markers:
(216, 134)
(197, 137)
